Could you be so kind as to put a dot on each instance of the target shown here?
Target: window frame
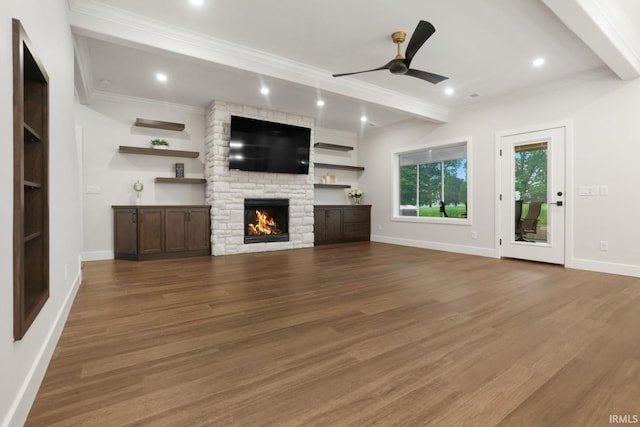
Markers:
(395, 183)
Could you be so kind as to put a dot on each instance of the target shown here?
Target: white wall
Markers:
(23, 363)
(108, 123)
(606, 152)
(350, 158)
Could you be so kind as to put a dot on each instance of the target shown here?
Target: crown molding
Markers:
(99, 95)
(97, 20)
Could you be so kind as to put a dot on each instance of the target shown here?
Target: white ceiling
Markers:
(227, 49)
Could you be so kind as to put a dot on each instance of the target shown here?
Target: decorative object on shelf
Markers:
(329, 179)
(138, 187)
(179, 170)
(355, 195)
(159, 143)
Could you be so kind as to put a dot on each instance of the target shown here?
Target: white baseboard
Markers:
(605, 267)
(97, 255)
(579, 264)
(438, 246)
(21, 406)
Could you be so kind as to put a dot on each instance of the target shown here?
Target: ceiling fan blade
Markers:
(424, 75)
(423, 31)
(384, 67)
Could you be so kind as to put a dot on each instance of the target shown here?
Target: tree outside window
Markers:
(431, 176)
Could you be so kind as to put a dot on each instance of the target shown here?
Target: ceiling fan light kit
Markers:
(401, 64)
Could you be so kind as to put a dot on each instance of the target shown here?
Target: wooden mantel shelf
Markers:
(157, 124)
(158, 152)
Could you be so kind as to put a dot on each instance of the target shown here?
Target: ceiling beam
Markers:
(114, 25)
(603, 26)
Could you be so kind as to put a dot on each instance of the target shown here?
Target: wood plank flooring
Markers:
(359, 334)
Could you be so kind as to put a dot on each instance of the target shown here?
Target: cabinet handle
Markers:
(133, 217)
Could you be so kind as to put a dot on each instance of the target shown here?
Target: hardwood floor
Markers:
(345, 335)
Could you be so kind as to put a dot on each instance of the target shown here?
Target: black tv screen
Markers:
(261, 146)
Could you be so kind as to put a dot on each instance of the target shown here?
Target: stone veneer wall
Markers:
(227, 189)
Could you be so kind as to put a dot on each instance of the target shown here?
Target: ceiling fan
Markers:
(400, 65)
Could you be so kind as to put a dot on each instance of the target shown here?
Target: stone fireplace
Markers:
(227, 189)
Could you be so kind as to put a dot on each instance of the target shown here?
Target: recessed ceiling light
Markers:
(105, 82)
(320, 103)
(363, 119)
(161, 77)
(449, 91)
(538, 62)
(197, 2)
(264, 90)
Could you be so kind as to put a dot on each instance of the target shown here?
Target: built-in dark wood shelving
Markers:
(331, 186)
(335, 147)
(30, 183)
(181, 180)
(158, 152)
(343, 167)
(158, 124)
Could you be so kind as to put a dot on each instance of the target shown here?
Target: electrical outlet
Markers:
(474, 235)
(604, 245)
(379, 227)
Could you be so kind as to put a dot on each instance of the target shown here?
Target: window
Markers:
(432, 181)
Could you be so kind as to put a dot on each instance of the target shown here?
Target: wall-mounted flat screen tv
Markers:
(262, 146)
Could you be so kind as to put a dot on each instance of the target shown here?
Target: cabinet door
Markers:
(176, 229)
(125, 231)
(327, 224)
(151, 230)
(199, 229)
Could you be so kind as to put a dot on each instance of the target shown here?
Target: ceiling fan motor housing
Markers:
(398, 66)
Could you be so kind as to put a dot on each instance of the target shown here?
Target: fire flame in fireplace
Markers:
(264, 225)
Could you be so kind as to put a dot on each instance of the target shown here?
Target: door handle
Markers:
(558, 203)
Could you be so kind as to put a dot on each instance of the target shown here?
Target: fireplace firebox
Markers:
(266, 220)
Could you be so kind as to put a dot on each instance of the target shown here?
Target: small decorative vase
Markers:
(356, 200)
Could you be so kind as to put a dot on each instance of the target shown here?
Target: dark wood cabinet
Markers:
(341, 224)
(156, 232)
(30, 183)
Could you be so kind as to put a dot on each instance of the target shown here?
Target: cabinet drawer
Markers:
(356, 229)
(356, 214)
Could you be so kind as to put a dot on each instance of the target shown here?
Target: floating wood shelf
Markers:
(331, 186)
(158, 152)
(157, 124)
(182, 180)
(332, 166)
(336, 147)
(32, 236)
(30, 135)
(32, 185)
